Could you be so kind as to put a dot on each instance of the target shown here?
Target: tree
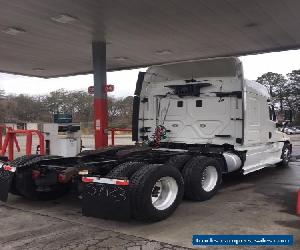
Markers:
(58, 102)
(78, 103)
(25, 108)
(82, 105)
(276, 84)
(284, 91)
(292, 92)
(120, 111)
(2, 106)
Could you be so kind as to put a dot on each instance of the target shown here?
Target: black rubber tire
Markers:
(37, 159)
(141, 186)
(192, 174)
(23, 159)
(125, 170)
(178, 161)
(285, 160)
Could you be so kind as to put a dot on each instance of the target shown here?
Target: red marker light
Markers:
(122, 183)
(87, 179)
(35, 174)
(8, 168)
(61, 178)
(109, 88)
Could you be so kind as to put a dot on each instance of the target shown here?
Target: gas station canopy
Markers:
(49, 38)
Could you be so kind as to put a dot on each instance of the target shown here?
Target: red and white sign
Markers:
(107, 88)
(98, 124)
(9, 168)
(91, 90)
(105, 181)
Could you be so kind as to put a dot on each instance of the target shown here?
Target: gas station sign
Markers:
(91, 90)
(107, 88)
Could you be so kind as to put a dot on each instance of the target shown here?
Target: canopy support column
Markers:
(100, 95)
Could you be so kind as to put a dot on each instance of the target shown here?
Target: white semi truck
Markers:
(192, 122)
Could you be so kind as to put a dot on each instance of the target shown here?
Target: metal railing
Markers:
(10, 141)
(114, 130)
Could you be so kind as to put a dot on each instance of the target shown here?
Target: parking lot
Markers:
(263, 202)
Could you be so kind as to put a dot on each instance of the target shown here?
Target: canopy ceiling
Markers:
(36, 40)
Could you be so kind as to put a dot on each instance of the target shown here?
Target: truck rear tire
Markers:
(125, 170)
(178, 161)
(22, 159)
(202, 178)
(286, 155)
(155, 192)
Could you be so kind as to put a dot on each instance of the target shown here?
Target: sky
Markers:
(124, 81)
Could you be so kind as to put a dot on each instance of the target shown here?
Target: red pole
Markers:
(11, 145)
(28, 143)
(5, 144)
(100, 94)
(17, 143)
(11, 139)
(112, 137)
(100, 123)
(41, 140)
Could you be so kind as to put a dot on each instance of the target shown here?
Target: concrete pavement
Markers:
(263, 202)
(259, 203)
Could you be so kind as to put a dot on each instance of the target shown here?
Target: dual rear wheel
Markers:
(157, 190)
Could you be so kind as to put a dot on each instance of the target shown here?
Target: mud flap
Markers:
(106, 201)
(5, 183)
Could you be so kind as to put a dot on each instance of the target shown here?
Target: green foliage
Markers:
(293, 90)
(276, 83)
(2, 106)
(285, 91)
(297, 119)
(24, 108)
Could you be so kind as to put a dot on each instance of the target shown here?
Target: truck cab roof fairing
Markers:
(220, 67)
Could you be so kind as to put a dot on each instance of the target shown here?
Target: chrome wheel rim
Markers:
(286, 155)
(164, 193)
(209, 178)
